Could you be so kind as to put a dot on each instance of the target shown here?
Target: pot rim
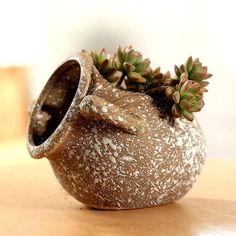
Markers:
(51, 143)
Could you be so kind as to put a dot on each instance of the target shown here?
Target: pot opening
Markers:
(55, 101)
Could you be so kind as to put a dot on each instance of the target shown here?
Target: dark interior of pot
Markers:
(55, 101)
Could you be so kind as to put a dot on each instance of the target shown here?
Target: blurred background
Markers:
(37, 36)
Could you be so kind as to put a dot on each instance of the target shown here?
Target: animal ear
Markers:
(97, 108)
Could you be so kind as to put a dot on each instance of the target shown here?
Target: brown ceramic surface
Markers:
(108, 147)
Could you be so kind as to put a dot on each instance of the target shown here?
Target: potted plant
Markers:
(118, 134)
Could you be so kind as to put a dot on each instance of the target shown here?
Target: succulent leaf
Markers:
(188, 115)
(136, 77)
(177, 71)
(176, 111)
(176, 96)
(169, 91)
(128, 67)
(189, 64)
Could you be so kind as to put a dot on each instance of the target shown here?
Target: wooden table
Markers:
(33, 203)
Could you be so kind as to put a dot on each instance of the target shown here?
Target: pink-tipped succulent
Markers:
(102, 62)
(187, 97)
(194, 70)
(133, 67)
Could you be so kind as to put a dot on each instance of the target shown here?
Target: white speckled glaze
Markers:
(112, 150)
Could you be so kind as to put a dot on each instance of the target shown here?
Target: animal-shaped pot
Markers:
(108, 147)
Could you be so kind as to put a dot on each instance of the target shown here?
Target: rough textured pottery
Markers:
(108, 147)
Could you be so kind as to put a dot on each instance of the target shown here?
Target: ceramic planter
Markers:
(108, 147)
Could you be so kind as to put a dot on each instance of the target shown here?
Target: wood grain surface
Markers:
(33, 203)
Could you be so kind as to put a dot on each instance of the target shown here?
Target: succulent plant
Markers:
(132, 66)
(175, 97)
(187, 97)
(194, 70)
(103, 63)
